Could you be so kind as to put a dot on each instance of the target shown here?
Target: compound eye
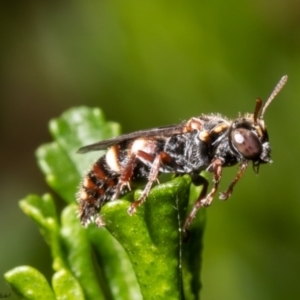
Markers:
(246, 143)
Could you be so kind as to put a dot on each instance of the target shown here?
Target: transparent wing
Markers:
(155, 132)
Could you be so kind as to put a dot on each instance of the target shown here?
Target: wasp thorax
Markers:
(246, 143)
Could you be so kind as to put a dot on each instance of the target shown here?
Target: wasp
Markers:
(208, 142)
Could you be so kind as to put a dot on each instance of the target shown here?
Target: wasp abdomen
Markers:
(97, 187)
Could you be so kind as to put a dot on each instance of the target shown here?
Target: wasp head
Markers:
(249, 136)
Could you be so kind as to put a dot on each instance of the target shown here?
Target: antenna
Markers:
(276, 90)
(257, 109)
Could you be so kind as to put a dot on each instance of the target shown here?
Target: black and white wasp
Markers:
(207, 142)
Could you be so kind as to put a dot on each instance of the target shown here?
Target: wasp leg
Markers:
(200, 181)
(216, 167)
(125, 177)
(161, 158)
(203, 199)
(242, 168)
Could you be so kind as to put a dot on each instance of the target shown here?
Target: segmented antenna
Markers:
(276, 90)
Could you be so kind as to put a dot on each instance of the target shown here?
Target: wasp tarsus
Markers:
(207, 142)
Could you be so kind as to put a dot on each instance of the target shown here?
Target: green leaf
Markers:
(29, 283)
(192, 250)
(152, 237)
(134, 257)
(42, 211)
(66, 287)
(79, 253)
(118, 273)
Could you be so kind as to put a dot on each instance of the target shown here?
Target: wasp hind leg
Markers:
(124, 180)
(161, 158)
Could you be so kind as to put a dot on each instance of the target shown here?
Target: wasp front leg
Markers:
(159, 160)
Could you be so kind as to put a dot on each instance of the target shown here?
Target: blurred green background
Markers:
(149, 64)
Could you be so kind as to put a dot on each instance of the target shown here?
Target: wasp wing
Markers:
(155, 132)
